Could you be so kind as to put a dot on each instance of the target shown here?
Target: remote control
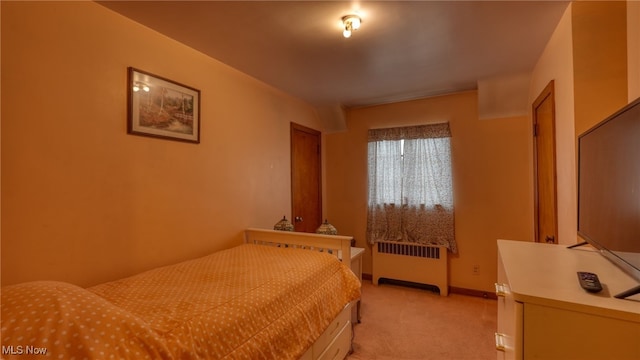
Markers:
(589, 281)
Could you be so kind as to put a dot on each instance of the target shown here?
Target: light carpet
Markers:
(408, 323)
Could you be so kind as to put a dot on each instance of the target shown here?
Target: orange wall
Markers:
(491, 175)
(84, 202)
(600, 60)
(633, 48)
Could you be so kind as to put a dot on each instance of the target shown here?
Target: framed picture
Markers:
(162, 108)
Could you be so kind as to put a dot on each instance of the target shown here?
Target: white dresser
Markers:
(543, 313)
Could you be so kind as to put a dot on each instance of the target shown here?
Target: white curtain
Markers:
(410, 185)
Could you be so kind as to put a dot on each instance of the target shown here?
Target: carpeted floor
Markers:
(400, 322)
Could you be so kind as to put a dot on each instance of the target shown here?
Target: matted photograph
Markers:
(162, 108)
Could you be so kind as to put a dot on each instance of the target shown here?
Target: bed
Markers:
(280, 295)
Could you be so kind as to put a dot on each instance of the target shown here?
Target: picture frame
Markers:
(162, 108)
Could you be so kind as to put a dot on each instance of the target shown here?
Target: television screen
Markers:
(609, 187)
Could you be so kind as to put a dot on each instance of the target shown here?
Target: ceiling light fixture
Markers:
(351, 23)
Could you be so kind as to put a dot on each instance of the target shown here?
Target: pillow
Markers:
(66, 321)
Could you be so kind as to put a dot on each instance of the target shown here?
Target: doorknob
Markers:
(298, 219)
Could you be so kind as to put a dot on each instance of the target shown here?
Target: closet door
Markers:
(546, 218)
(306, 178)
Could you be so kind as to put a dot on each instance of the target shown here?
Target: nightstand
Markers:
(356, 267)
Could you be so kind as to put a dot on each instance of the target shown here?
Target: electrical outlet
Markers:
(476, 269)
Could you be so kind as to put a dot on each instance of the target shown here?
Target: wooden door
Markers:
(306, 178)
(546, 219)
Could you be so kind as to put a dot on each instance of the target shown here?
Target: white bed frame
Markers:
(335, 342)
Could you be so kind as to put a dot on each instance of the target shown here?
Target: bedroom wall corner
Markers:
(587, 59)
(556, 63)
(490, 168)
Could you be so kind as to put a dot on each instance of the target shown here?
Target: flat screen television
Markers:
(609, 189)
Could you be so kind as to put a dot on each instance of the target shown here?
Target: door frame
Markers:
(300, 128)
(547, 92)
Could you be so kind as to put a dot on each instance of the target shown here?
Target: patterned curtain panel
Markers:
(410, 185)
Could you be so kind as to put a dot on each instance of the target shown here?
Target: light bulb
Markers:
(136, 88)
(346, 33)
(355, 23)
(145, 88)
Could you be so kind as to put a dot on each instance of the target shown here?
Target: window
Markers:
(410, 185)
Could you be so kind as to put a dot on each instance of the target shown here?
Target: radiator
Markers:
(418, 263)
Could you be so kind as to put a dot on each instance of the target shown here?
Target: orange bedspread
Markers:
(248, 302)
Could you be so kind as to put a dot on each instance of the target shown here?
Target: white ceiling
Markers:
(404, 49)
